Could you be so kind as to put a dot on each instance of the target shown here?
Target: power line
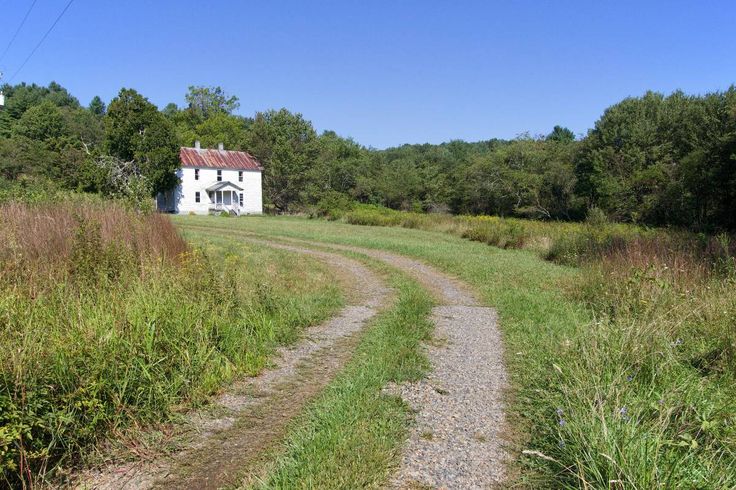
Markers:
(42, 40)
(22, 23)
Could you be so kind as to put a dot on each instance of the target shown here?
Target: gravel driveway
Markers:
(457, 439)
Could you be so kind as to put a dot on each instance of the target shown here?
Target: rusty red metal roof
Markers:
(206, 158)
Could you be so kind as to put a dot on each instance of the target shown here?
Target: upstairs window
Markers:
(219, 176)
(196, 197)
(240, 176)
(196, 174)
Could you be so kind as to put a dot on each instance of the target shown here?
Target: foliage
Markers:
(111, 321)
(650, 160)
(135, 130)
(664, 160)
(287, 145)
(97, 106)
(205, 102)
(332, 206)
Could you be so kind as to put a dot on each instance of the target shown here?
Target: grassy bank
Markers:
(109, 320)
(622, 369)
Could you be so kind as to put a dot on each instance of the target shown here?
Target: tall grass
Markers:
(108, 319)
(647, 394)
(41, 245)
(644, 396)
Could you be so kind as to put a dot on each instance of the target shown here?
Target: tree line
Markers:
(654, 159)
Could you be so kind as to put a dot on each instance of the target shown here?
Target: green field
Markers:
(621, 367)
(606, 394)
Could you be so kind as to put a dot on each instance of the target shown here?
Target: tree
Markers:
(561, 135)
(135, 130)
(97, 106)
(286, 144)
(170, 110)
(41, 122)
(207, 101)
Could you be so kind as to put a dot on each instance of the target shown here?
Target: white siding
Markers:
(185, 193)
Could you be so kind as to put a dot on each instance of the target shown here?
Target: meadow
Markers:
(112, 326)
(619, 339)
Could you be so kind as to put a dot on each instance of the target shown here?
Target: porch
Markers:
(225, 196)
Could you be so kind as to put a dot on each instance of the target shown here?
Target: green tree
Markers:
(561, 135)
(97, 106)
(41, 122)
(135, 130)
(207, 101)
(287, 146)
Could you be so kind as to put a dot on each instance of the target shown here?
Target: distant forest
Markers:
(654, 159)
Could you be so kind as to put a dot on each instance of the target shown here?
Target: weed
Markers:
(108, 319)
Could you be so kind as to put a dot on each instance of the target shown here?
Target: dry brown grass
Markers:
(37, 241)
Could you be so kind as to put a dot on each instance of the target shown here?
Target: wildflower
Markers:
(562, 422)
(559, 412)
(630, 378)
(623, 411)
(677, 342)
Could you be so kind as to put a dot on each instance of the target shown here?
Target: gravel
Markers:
(457, 441)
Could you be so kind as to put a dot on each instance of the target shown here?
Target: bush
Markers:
(496, 231)
(373, 216)
(332, 206)
(596, 217)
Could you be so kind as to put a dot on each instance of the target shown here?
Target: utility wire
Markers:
(22, 23)
(42, 40)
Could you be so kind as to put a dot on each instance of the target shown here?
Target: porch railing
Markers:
(234, 207)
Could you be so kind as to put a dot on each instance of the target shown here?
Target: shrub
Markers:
(496, 231)
(596, 217)
(373, 216)
(332, 206)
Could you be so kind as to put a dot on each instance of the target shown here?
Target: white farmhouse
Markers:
(212, 181)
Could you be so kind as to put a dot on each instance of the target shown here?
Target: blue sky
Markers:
(385, 73)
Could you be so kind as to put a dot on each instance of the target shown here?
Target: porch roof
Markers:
(218, 186)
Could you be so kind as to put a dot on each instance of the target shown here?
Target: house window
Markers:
(241, 199)
(196, 174)
(219, 176)
(240, 176)
(196, 197)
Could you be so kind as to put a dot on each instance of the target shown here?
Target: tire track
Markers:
(457, 441)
